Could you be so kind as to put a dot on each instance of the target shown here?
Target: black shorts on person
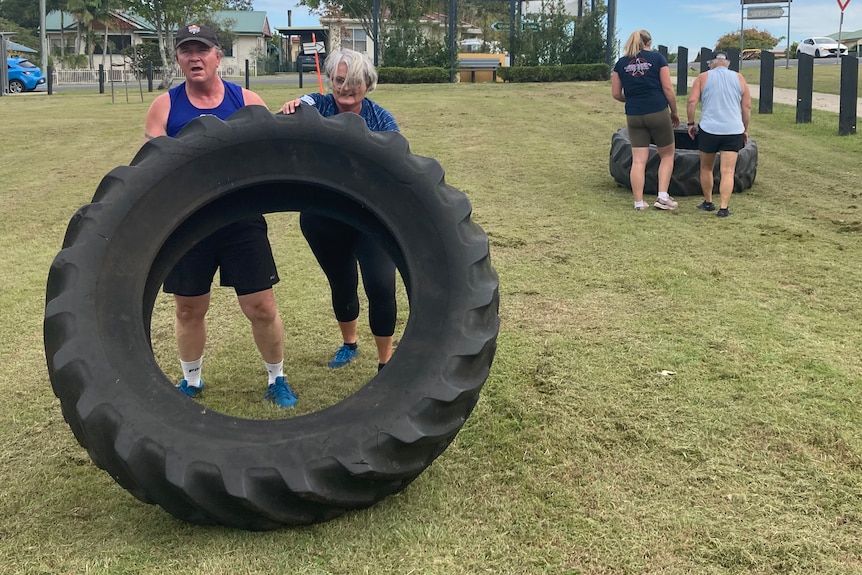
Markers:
(242, 253)
(712, 143)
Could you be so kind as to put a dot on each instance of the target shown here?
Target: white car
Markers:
(820, 47)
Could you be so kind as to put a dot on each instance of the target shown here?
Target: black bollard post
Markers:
(767, 81)
(101, 79)
(733, 56)
(299, 69)
(246, 75)
(849, 91)
(150, 77)
(682, 71)
(662, 49)
(50, 80)
(804, 88)
(705, 57)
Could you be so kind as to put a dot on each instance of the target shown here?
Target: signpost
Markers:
(764, 13)
(313, 47)
(841, 5)
(505, 26)
(316, 48)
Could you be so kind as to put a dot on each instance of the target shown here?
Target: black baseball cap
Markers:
(195, 33)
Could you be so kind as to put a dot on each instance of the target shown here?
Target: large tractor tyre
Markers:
(685, 179)
(210, 468)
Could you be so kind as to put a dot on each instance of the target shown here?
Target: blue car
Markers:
(24, 75)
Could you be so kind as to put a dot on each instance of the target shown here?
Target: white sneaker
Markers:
(667, 203)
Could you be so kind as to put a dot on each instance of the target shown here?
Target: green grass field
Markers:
(673, 393)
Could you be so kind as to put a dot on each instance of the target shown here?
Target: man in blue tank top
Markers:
(241, 250)
(724, 116)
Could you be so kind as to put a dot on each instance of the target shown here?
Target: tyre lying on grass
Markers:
(685, 180)
(209, 468)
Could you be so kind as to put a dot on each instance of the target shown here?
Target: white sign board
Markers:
(313, 48)
(763, 13)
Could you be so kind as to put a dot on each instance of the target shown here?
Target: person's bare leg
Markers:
(728, 169)
(637, 174)
(384, 348)
(665, 166)
(190, 325)
(707, 165)
(266, 325)
(348, 330)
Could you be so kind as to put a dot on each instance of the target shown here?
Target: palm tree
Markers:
(84, 12)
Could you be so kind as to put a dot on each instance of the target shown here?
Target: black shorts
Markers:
(712, 143)
(240, 251)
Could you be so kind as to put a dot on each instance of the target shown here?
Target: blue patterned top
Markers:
(376, 117)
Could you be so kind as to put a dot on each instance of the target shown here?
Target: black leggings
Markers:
(338, 247)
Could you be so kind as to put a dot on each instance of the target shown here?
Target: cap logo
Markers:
(194, 29)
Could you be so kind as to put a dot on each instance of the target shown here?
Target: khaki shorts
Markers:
(655, 128)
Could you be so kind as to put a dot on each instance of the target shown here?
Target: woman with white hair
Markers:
(337, 246)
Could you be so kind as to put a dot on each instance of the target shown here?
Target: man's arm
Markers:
(745, 105)
(156, 123)
(691, 103)
(252, 99)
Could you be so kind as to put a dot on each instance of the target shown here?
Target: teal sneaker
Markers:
(280, 393)
(343, 356)
(190, 390)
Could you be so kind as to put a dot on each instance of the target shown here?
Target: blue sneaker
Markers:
(280, 393)
(190, 390)
(343, 356)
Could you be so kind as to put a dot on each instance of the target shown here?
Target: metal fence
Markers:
(128, 75)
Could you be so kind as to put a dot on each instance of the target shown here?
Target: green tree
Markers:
(142, 56)
(104, 14)
(407, 47)
(85, 13)
(752, 37)
(240, 5)
(167, 16)
(22, 35)
(25, 13)
(588, 39)
(399, 18)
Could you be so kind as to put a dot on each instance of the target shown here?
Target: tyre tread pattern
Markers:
(235, 478)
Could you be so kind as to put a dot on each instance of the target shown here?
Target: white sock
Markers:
(640, 204)
(192, 371)
(274, 370)
(663, 195)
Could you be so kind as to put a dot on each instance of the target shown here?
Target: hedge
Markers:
(565, 73)
(392, 75)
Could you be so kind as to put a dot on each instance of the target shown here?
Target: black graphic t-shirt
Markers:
(641, 80)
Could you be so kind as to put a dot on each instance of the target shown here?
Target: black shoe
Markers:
(706, 206)
(723, 212)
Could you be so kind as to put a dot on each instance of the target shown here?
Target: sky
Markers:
(674, 23)
(695, 24)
